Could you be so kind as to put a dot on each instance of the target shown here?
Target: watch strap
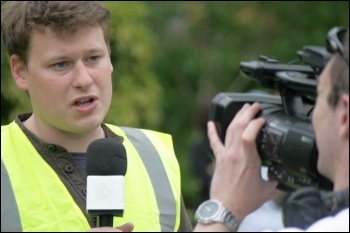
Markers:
(224, 216)
(229, 220)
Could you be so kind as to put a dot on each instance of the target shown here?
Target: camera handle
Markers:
(292, 103)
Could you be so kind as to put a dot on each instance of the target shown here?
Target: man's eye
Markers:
(60, 64)
(94, 58)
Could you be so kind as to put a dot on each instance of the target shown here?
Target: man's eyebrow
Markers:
(58, 57)
(94, 50)
(64, 56)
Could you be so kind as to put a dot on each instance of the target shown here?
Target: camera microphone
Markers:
(106, 165)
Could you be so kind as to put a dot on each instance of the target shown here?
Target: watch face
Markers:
(208, 209)
(214, 211)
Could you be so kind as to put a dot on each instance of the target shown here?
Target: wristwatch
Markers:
(212, 211)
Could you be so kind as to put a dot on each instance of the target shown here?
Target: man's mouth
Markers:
(83, 102)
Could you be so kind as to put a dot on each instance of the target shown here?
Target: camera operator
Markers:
(237, 183)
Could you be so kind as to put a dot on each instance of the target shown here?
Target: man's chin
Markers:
(86, 125)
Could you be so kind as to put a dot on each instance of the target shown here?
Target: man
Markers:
(60, 55)
(237, 183)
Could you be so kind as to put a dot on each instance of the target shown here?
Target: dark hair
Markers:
(20, 18)
(340, 74)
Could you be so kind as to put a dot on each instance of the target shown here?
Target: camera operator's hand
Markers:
(237, 180)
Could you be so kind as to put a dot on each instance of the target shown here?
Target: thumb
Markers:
(127, 227)
(271, 189)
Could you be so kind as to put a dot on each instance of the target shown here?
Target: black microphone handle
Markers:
(105, 220)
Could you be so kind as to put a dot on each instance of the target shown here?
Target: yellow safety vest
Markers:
(33, 198)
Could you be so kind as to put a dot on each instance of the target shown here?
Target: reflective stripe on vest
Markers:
(155, 152)
(154, 166)
(152, 186)
(9, 210)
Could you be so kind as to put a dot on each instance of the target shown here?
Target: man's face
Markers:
(69, 79)
(325, 123)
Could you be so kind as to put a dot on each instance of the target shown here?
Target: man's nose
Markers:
(81, 77)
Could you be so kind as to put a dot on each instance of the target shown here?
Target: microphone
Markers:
(105, 166)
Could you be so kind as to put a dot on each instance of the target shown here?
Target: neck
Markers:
(341, 181)
(341, 175)
(71, 141)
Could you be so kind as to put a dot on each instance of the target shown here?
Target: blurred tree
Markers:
(137, 92)
(199, 45)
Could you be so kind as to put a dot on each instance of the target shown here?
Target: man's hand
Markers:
(237, 180)
(127, 227)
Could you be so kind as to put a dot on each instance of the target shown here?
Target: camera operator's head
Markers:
(331, 114)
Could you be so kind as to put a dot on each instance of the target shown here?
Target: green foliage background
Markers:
(169, 57)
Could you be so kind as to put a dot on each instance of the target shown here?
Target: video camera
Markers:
(286, 143)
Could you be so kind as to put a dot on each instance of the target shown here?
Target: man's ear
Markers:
(344, 104)
(18, 70)
(112, 68)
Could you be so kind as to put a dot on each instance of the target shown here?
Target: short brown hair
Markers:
(340, 74)
(20, 18)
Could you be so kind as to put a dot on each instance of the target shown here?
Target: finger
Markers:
(252, 130)
(239, 124)
(104, 229)
(251, 112)
(214, 139)
(229, 137)
(250, 134)
(127, 227)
